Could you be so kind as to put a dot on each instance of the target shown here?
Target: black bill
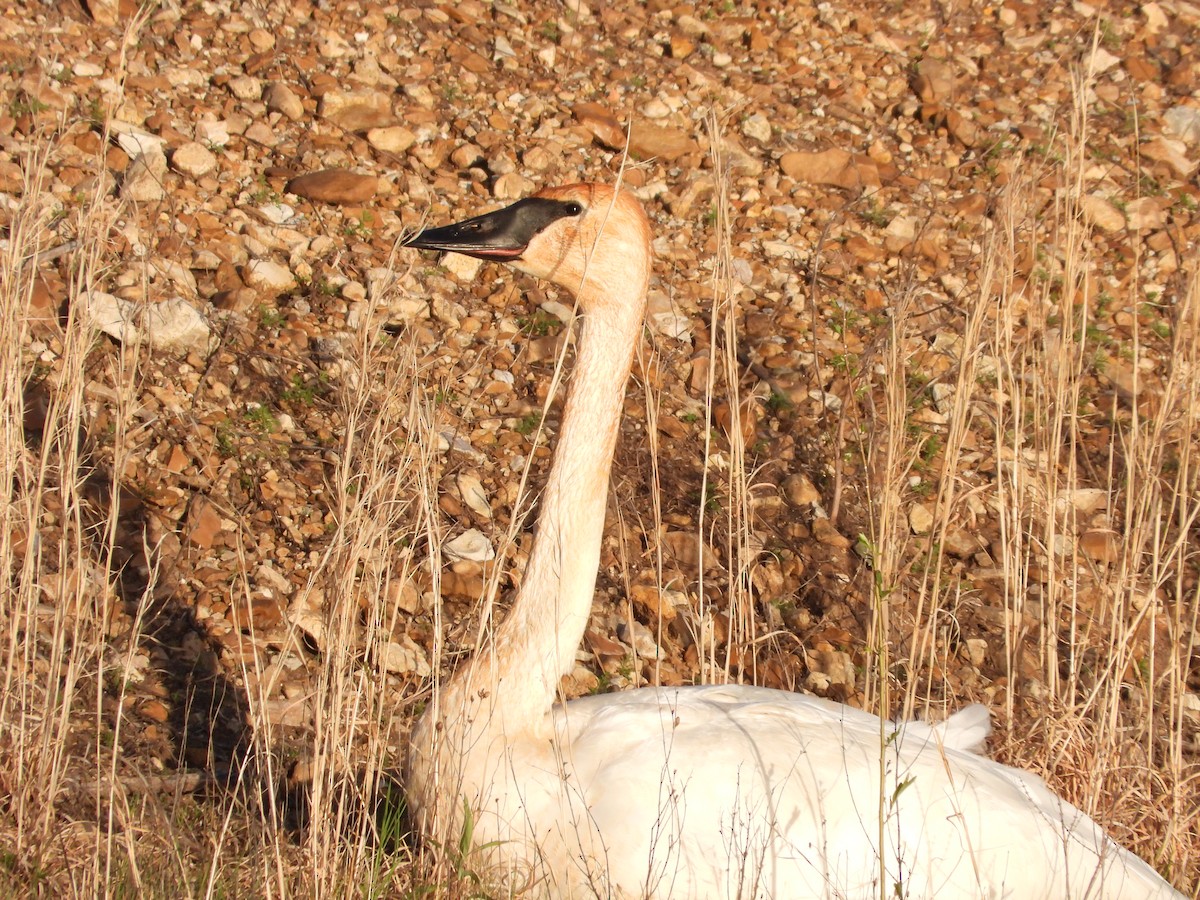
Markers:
(501, 235)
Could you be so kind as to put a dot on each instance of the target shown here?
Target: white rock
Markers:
(175, 272)
(783, 250)
(331, 45)
(266, 577)
(473, 494)
(1102, 214)
(976, 651)
(903, 227)
(464, 268)
(1191, 706)
(84, 69)
(665, 319)
(1102, 60)
(1084, 501)
(281, 98)
(214, 134)
(502, 49)
(245, 87)
(135, 142)
(757, 127)
(656, 109)
(276, 213)
(193, 159)
(920, 519)
(472, 544)
(265, 275)
(1184, 123)
(185, 76)
(512, 186)
(311, 626)
(1156, 19)
(143, 181)
(558, 309)
(403, 657)
(173, 324)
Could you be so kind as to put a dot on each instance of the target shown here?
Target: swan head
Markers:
(591, 239)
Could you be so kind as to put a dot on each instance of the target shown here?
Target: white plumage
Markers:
(701, 792)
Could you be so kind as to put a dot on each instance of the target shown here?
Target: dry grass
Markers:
(1101, 648)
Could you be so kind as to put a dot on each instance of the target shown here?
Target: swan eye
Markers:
(574, 208)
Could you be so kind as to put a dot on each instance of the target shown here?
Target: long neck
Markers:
(536, 643)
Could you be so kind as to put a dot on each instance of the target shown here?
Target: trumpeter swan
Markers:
(698, 792)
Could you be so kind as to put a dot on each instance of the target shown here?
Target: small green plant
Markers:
(778, 402)
(226, 440)
(874, 214)
(360, 227)
(303, 391)
(527, 425)
(846, 363)
(550, 31)
(1109, 36)
(931, 447)
(262, 418)
(26, 105)
(1161, 329)
(460, 856)
(539, 324)
(263, 192)
(327, 288)
(269, 317)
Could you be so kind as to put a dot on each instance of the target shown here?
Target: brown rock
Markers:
(281, 98)
(261, 612)
(1171, 152)
(1145, 214)
(1099, 212)
(203, 523)
(961, 128)
(602, 124)
(837, 167)
(393, 139)
(357, 110)
(864, 250)
(12, 179)
(660, 142)
(1101, 546)
(681, 47)
(338, 186)
(800, 491)
(825, 533)
(156, 710)
(104, 12)
(653, 601)
(934, 81)
(747, 420)
(1141, 69)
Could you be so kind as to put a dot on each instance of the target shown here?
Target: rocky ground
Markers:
(883, 231)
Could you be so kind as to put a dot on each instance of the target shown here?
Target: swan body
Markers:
(699, 792)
